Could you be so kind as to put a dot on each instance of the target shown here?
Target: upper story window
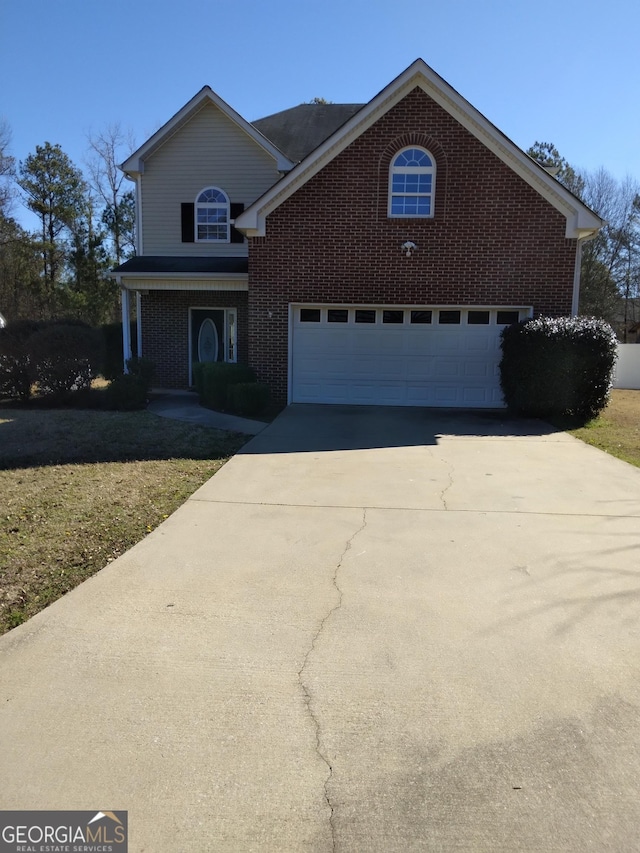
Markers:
(412, 178)
(212, 216)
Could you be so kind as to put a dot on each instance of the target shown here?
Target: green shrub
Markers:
(558, 367)
(217, 377)
(143, 368)
(65, 357)
(113, 362)
(197, 369)
(16, 367)
(248, 398)
(126, 393)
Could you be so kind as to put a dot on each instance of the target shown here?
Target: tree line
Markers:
(610, 265)
(86, 222)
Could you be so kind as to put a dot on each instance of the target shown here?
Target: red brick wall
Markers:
(165, 329)
(493, 239)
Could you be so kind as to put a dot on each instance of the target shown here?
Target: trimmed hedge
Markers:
(126, 393)
(197, 370)
(65, 358)
(558, 367)
(16, 369)
(249, 398)
(143, 368)
(113, 362)
(59, 356)
(213, 380)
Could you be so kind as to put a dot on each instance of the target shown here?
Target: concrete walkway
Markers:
(372, 630)
(184, 406)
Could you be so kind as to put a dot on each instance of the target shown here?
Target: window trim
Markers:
(393, 170)
(211, 205)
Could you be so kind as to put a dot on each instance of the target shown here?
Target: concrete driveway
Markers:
(373, 630)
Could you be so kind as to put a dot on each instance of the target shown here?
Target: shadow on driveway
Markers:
(305, 428)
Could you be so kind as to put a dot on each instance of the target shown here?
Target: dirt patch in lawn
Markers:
(617, 429)
(78, 488)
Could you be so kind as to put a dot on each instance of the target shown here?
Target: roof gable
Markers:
(134, 164)
(581, 221)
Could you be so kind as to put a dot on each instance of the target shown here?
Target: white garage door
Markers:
(391, 356)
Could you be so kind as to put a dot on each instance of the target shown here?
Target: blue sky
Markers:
(564, 71)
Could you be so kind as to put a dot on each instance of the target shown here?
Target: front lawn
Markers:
(617, 429)
(78, 488)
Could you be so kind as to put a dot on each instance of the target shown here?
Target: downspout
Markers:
(139, 323)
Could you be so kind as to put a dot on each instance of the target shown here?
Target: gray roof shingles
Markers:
(300, 130)
(177, 264)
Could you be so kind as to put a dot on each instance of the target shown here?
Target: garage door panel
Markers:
(312, 367)
(374, 341)
(475, 396)
(479, 369)
(446, 343)
(385, 369)
(478, 344)
(400, 364)
(419, 394)
(331, 392)
(445, 368)
(417, 347)
(420, 368)
(377, 394)
(446, 395)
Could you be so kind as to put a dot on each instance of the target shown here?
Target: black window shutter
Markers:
(188, 227)
(236, 210)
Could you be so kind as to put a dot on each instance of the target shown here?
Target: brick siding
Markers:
(165, 329)
(492, 241)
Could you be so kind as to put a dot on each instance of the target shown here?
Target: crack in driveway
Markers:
(449, 484)
(308, 698)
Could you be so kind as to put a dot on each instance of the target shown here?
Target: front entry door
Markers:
(207, 334)
(208, 341)
(212, 335)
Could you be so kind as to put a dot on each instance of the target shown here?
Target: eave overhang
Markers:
(170, 272)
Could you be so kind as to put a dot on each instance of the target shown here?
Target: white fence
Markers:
(628, 366)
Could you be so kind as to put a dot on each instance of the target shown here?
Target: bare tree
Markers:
(610, 271)
(108, 148)
(7, 168)
(610, 262)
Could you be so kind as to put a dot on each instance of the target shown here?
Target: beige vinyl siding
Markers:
(208, 150)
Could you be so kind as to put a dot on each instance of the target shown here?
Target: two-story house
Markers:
(351, 253)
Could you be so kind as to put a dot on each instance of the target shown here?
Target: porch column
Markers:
(125, 300)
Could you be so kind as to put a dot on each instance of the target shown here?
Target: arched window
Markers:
(412, 179)
(212, 216)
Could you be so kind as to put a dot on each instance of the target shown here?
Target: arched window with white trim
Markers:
(412, 180)
(212, 216)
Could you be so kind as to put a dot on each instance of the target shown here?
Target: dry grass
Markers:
(78, 488)
(617, 429)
